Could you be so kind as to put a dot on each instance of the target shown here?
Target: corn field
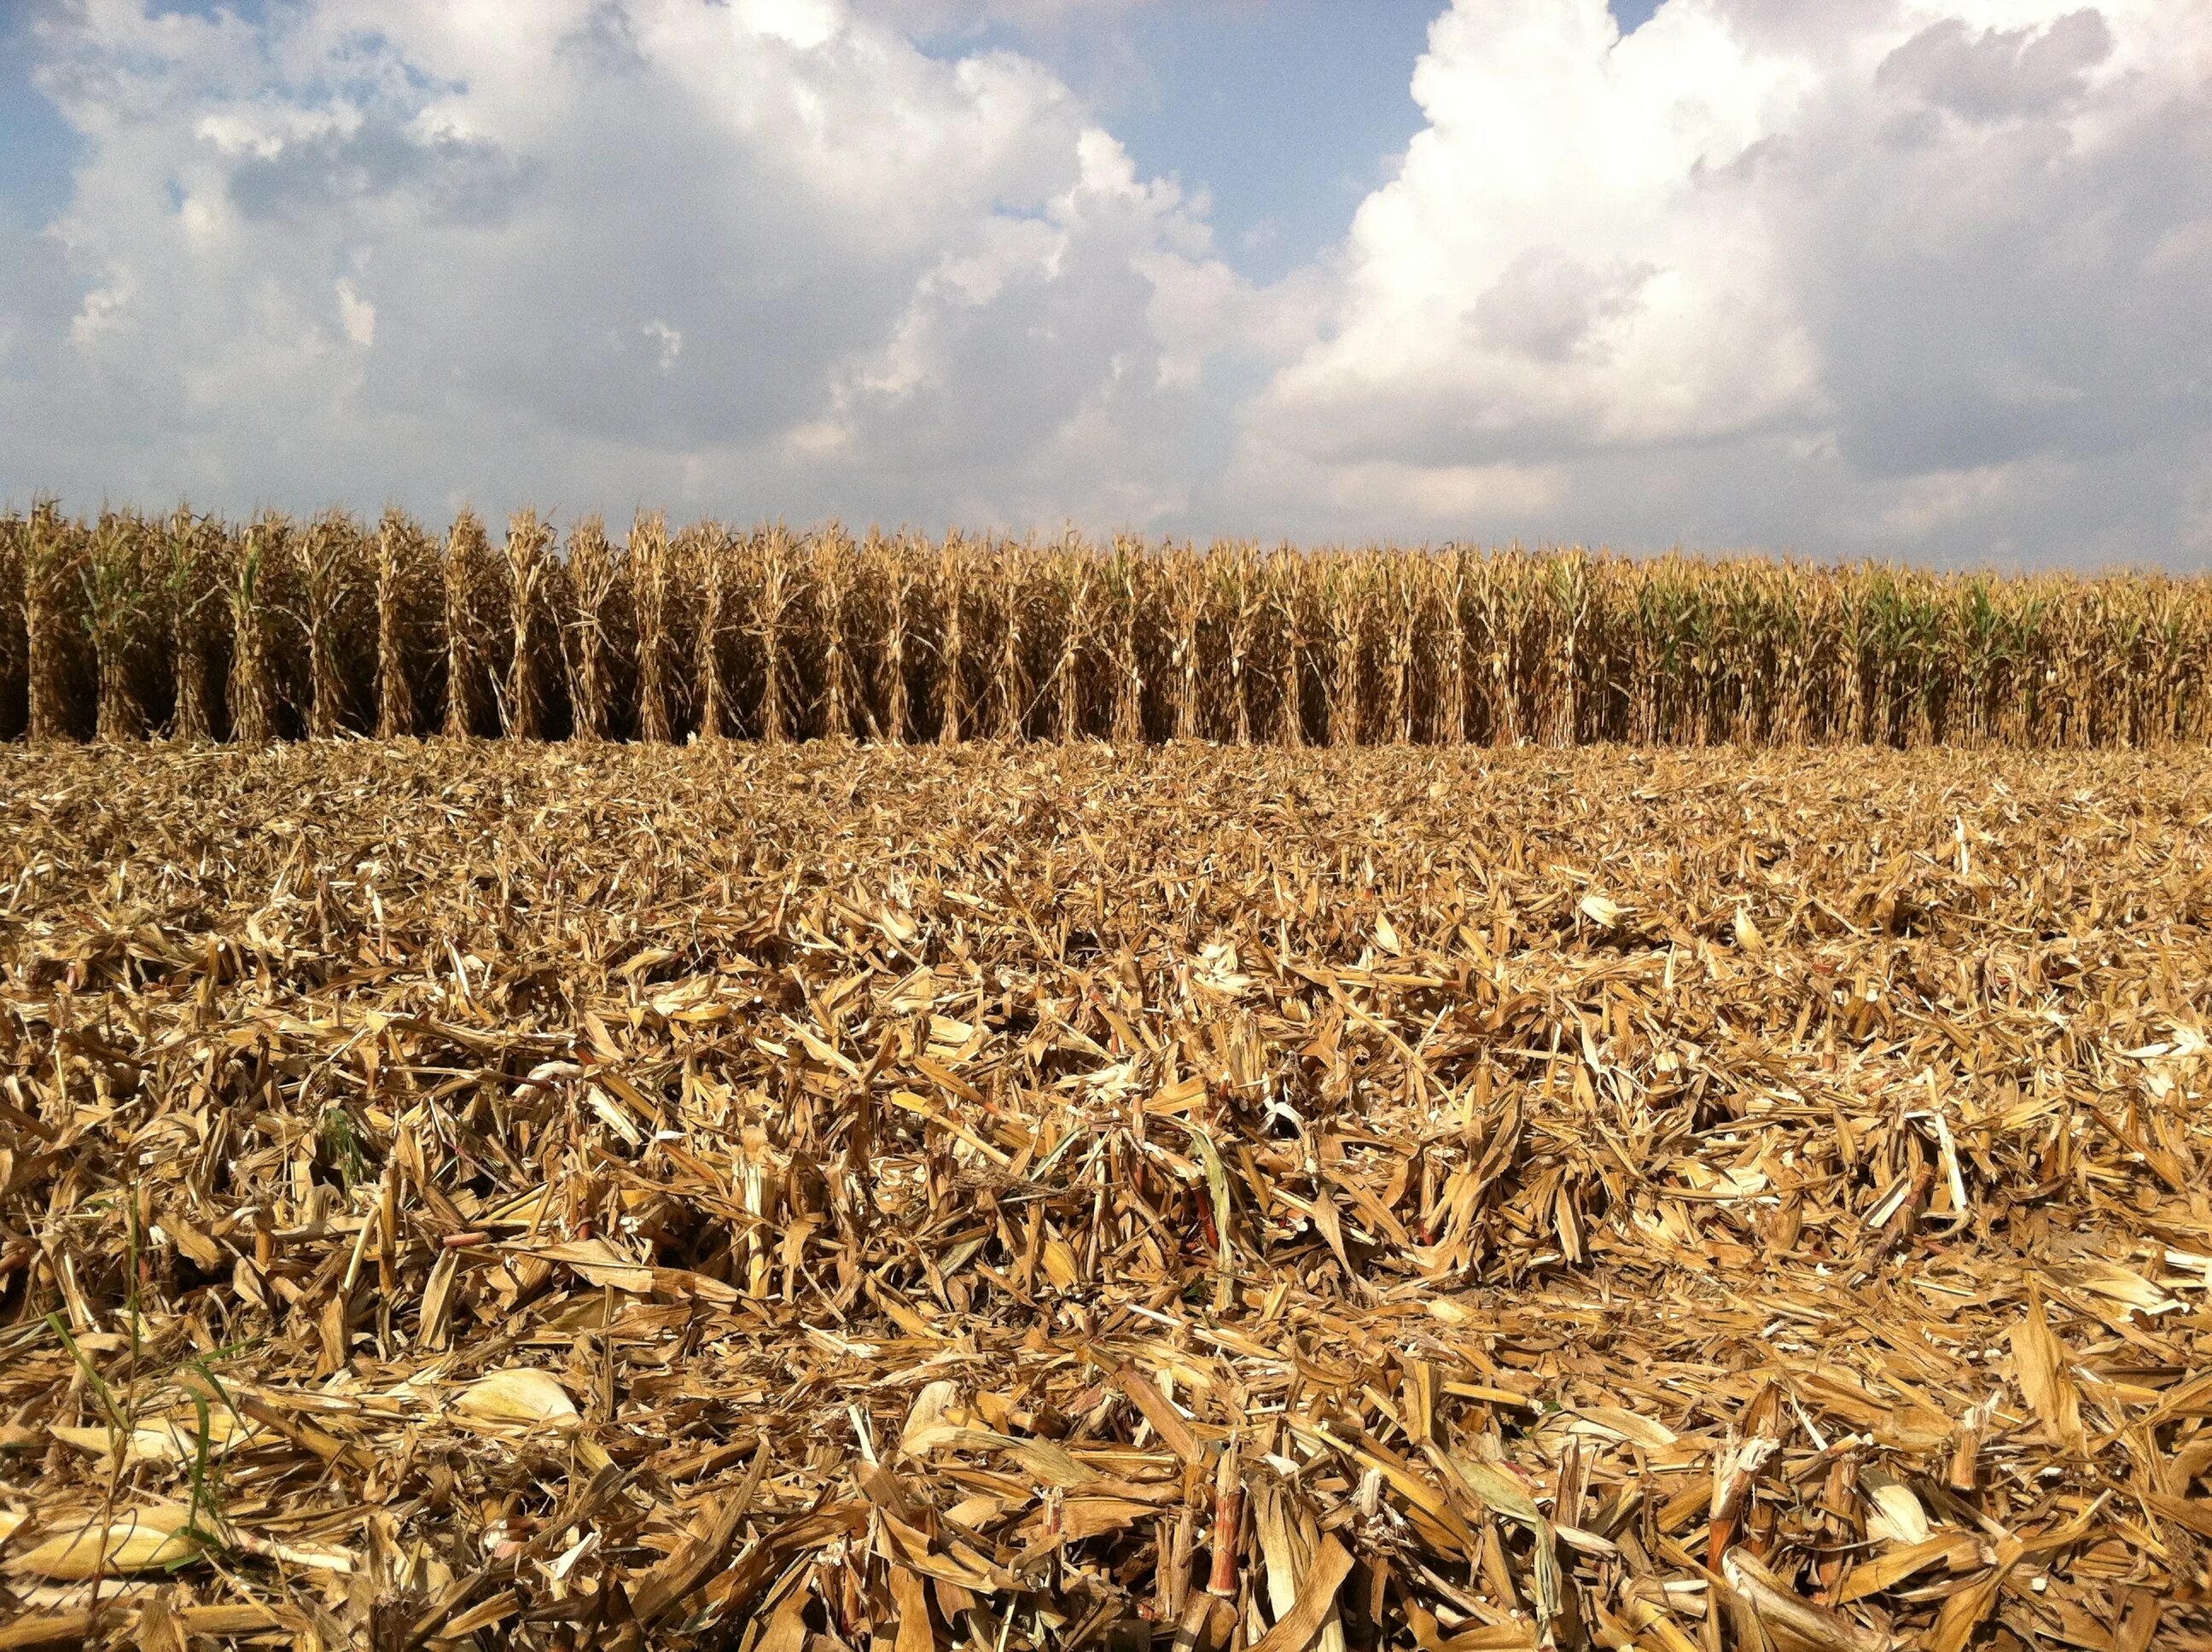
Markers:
(186, 627)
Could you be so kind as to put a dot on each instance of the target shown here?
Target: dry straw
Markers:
(1050, 1199)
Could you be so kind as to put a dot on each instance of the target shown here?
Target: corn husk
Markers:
(126, 1540)
(521, 1396)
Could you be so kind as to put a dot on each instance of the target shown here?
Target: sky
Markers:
(1914, 279)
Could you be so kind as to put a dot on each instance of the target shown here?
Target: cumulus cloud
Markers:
(772, 256)
(1878, 275)
(1999, 74)
(1919, 277)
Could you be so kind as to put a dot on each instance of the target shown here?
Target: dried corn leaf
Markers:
(2040, 1362)
(99, 1543)
(521, 1395)
(630, 1195)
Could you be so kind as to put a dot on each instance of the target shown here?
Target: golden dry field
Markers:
(200, 629)
(794, 1198)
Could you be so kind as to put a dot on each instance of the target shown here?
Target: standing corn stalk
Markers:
(651, 582)
(865, 624)
(1982, 661)
(1286, 588)
(2123, 634)
(2193, 693)
(1125, 591)
(1011, 686)
(1343, 592)
(833, 580)
(1402, 581)
(329, 569)
(774, 599)
(699, 554)
(15, 680)
(253, 660)
(717, 548)
(1244, 598)
(1567, 586)
(2072, 673)
(1184, 577)
(1853, 705)
(400, 555)
(109, 628)
(116, 612)
(189, 552)
(528, 538)
(953, 723)
(1499, 627)
(466, 549)
(2022, 722)
(1907, 686)
(1451, 706)
(1071, 584)
(899, 566)
(2165, 671)
(1805, 660)
(1743, 650)
(594, 569)
(51, 583)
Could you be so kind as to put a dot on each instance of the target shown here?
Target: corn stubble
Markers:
(1040, 1196)
(186, 627)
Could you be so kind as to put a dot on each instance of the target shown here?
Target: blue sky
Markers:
(1287, 113)
(36, 145)
(1921, 279)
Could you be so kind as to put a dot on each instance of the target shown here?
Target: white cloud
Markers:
(357, 316)
(803, 23)
(1050, 364)
(1908, 277)
(1882, 275)
(772, 257)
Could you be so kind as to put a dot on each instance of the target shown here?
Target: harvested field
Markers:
(827, 1197)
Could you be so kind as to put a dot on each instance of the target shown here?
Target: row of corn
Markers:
(127, 626)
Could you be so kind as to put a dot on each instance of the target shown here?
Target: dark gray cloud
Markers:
(2000, 74)
(451, 179)
(1985, 296)
(606, 40)
(1548, 304)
